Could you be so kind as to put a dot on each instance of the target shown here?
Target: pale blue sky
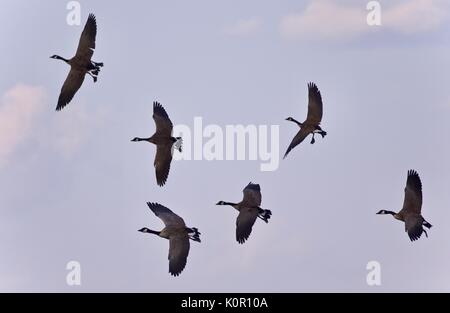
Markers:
(73, 186)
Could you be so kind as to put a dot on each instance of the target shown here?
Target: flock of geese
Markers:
(249, 209)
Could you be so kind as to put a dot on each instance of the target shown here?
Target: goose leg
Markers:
(100, 64)
(93, 76)
(264, 219)
(195, 238)
(321, 132)
(313, 140)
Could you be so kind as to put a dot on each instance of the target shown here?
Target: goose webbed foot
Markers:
(323, 133)
(313, 140)
(265, 215)
(93, 75)
(195, 238)
(99, 64)
(178, 144)
(264, 219)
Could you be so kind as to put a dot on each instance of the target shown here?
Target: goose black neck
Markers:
(227, 203)
(149, 231)
(297, 122)
(141, 139)
(61, 58)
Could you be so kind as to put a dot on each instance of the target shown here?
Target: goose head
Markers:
(386, 212)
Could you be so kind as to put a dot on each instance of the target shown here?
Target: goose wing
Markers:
(86, 44)
(315, 110)
(166, 215)
(244, 223)
(73, 82)
(162, 121)
(412, 203)
(252, 195)
(178, 253)
(413, 226)
(163, 158)
(301, 135)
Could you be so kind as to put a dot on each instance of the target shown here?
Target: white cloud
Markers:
(19, 107)
(326, 19)
(245, 27)
(416, 16)
(74, 129)
(21, 120)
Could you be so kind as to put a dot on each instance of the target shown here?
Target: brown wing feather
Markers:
(413, 226)
(163, 158)
(86, 44)
(166, 215)
(301, 135)
(413, 194)
(178, 252)
(315, 105)
(252, 195)
(244, 223)
(71, 85)
(162, 121)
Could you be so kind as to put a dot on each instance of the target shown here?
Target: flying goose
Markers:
(80, 64)
(313, 119)
(178, 234)
(164, 142)
(249, 209)
(412, 205)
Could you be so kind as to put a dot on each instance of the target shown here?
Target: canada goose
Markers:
(178, 235)
(164, 142)
(249, 210)
(313, 119)
(80, 64)
(412, 205)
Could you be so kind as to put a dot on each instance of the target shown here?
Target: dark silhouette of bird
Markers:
(249, 209)
(177, 233)
(164, 142)
(312, 123)
(410, 214)
(81, 64)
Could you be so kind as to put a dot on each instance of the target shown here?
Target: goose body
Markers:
(411, 214)
(177, 233)
(81, 64)
(164, 142)
(312, 123)
(249, 210)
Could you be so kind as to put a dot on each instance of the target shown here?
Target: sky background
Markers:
(73, 186)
